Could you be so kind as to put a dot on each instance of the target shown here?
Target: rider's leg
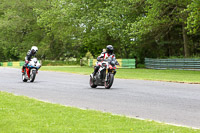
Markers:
(96, 68)
(23, 67)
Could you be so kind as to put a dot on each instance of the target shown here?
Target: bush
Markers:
(84, 60)
(88, 55)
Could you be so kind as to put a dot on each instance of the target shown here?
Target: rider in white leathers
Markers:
(29, 55)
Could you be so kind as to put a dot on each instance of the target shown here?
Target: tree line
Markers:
(71, 28)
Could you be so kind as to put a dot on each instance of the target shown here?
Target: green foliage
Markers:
(159, 29)
(88, 55)
(193, 20)
(18, 28)
(70, 28)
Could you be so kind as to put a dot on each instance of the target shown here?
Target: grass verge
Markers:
(185, 76)
(22, 114)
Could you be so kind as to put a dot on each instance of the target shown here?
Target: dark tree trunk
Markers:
(185, 41)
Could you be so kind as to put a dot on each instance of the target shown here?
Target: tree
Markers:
(70, 28)
(160, 18)
(18, 27)
(193, 19)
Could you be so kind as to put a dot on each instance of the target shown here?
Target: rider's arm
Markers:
(28, 56)
(100, 58)
(116, 62)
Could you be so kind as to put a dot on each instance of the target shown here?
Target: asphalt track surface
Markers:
(174, 103)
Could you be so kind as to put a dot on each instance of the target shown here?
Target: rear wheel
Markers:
(92, 85)
(109, 81)
(32, 76)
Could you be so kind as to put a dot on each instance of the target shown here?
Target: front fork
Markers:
(28, 72)
(106, 78)
(106, 75)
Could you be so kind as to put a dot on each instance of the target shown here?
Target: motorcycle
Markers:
(105, 74)
(31, 70)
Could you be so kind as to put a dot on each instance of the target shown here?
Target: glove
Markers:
(26, 61)
(99, 59)
(117, 63)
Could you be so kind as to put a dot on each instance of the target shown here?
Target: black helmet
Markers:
(109, 49)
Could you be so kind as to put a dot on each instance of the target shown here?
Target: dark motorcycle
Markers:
(105, 74)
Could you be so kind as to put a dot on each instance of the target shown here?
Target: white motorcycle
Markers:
(31, 70)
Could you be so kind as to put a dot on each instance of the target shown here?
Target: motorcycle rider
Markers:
(29, 55)
(109, 52)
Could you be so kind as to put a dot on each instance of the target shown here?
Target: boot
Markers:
(22, 70)
(94, 73)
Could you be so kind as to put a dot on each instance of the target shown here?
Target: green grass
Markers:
(142, 74)
(22, 114)
(70, 69)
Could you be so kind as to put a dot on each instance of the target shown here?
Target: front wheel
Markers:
(92, 85)
(109, 81)
(32, 76)
(24, 78)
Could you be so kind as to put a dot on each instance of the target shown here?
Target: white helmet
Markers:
(34, 49)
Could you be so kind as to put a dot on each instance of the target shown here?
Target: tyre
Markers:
(24, 78)
(109, 81)
(32, 76)
(92, 85)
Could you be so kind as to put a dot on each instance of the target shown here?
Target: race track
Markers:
(174, 103)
